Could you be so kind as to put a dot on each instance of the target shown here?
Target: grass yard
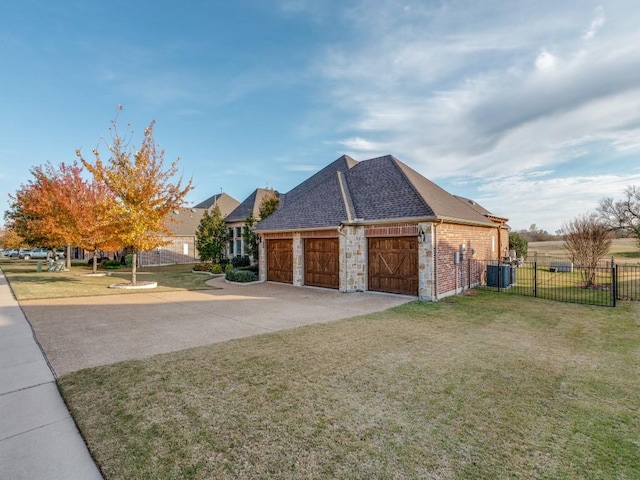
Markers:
(565, 286)
(623, 250)
(29, 284)
(484, 385)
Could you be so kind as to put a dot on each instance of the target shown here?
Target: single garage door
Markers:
(280, 260)
(393, 265)
(321, 264)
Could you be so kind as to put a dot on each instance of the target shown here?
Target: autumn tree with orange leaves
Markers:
(60, 207)
(141, 191)
(11, 238)
(80, 204)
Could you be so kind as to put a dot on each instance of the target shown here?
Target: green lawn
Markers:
(563, 286)
(484, 385)
(623, 250)
(29, 284)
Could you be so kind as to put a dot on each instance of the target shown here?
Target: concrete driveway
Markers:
(77, 333)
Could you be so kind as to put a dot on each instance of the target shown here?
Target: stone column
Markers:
(426, 271)
(262, 260)
(353, 259)
(298, 260)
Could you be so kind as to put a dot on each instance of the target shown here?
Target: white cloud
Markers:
(359, 144)
(549, 202)
(545, 61)
(596, 24)
(487, 92)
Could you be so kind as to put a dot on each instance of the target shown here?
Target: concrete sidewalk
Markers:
(38, 437)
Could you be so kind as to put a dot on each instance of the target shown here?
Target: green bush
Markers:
(250, 268)
(242, 276)
(216, 268)
(519, 244)
(202, 267)
(112, 264)
(228, 267)
(240, 261)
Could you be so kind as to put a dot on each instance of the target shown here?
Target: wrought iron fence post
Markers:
(535, 279)
(614, 281)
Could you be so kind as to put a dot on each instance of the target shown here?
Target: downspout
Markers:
(500, 241)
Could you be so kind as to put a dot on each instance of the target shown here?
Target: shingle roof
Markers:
(185, 221)
(477, 207)
(209, 202)
(342, 164)
(225, 202)
(250, 204)
(381, 188)
(321, 206)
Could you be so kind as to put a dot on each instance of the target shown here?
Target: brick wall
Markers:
(452, 278)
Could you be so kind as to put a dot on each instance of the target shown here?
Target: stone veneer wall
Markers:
(426, 278)
(298, 260)
(353, 259)
(262, 260)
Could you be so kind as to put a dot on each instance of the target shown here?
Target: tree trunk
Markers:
(95, 263)
(133, 267)
(68, 255)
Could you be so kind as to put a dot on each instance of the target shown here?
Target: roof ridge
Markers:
(346, 197)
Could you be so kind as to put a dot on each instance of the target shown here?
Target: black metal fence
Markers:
(628, 282)
(558, 279)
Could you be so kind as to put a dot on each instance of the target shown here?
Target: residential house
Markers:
(236, 220)
(377, 225)
(183, 224)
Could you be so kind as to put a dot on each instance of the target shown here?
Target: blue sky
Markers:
(530, 108)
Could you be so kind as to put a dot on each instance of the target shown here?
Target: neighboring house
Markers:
(183, 224)
(226, 203)
(377, 225)
(236, 219)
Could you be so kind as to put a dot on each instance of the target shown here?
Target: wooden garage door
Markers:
(393, 265)
(280, 260)
(321, 264)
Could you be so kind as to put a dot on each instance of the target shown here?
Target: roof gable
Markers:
(251, 204)
(226, 203)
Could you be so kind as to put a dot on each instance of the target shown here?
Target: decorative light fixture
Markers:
(422, 234)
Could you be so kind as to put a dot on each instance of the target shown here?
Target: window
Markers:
(238, 247)
(493, 243)
(238, 232)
